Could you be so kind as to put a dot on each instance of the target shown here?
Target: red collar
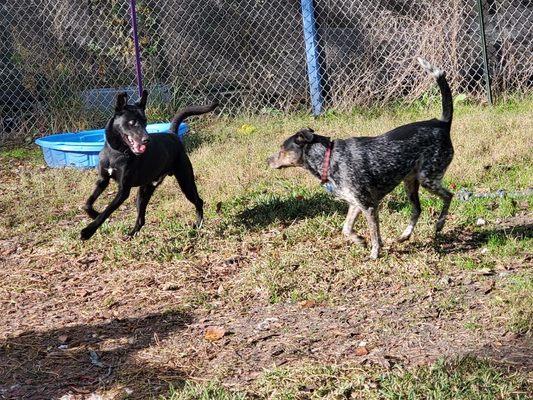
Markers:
(325, 166)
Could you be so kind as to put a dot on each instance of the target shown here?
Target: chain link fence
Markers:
(63, 61)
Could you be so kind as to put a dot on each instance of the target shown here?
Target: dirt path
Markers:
(55, 342)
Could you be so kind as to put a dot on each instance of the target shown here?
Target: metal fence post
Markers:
(312, 56)
(484, 50)
(138, 68)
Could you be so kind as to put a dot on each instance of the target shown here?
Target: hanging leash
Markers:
(325, 165)
(325, 168)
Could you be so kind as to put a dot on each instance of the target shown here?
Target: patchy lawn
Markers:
(299, 312)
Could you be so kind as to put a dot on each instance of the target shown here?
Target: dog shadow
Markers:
(287, 210)
(460, 240)
(81, 359)
(465, 239)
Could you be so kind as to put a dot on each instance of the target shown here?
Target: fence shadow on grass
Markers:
(513, 355)
(33, 365)
(287, 210)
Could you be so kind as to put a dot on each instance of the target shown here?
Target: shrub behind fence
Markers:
(62, 61)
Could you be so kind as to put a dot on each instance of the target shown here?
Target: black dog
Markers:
(362, 170)
(134, 158)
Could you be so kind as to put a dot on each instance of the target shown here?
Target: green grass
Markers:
(517, 299)
(465, 378)
(468, 378)
(210, 391)
(25, 154)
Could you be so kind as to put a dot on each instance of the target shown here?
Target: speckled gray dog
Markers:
(362, 170)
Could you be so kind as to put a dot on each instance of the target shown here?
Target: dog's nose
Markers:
(146, 140)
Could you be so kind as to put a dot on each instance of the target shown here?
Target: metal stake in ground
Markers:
(312, 56)
(138, 68)
(484, 51)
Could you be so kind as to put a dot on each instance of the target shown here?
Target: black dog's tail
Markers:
(447, 101)
(187, 112)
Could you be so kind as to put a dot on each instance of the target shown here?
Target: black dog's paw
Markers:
(87, 233)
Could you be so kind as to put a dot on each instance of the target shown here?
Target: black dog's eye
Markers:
(132, 122)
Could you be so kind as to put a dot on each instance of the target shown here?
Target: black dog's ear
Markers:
(304, 136)
(122, 100)
(142, 101)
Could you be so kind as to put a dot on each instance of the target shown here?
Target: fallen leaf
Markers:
(87, 260)
(277, 352)
(171, 286)
(485, 271)
(214, 333)
(62, 338)
(219, 207)
(361, 351)
(266, 324)
(446, 280)
(307, 303)
(338, 332)
(487, 287)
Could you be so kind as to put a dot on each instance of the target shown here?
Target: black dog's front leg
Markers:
(145, 193)
(89, 230)
(101, 185)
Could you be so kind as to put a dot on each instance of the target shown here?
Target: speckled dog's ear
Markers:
(304, 136)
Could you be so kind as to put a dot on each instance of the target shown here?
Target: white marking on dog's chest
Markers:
(110, 171)
(155, 183)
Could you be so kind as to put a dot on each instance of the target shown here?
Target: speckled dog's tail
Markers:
(447, 101)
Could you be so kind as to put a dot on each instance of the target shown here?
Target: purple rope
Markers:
(138, 68)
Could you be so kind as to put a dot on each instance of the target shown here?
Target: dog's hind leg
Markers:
(89, 230)
(143, 197)
(101, 185)
(435, 187)
(411, 187)
(347, 229)
(185, 177)
(372, 218)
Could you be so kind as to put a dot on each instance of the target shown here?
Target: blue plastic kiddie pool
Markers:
(80, 150)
